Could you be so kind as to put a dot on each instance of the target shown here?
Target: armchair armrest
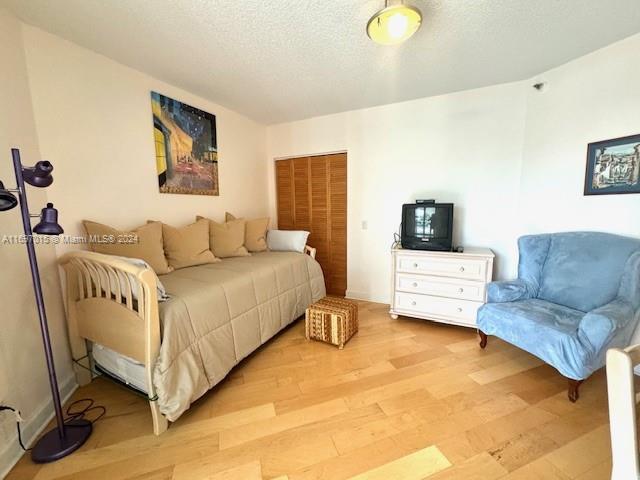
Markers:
(599, 326)
(508, 291)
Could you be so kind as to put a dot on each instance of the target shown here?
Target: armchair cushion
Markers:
(509, 291)
(545, 329)
(630, 282)
(601, 326)
(583, 269)
(533, 253)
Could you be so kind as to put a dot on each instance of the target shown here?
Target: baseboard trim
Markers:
(368, 296)
(10, 455)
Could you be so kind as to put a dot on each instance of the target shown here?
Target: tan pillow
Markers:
(255, 234)
(144, 242)
(189, 245)
(227, 239)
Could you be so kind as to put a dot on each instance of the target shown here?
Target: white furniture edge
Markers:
(101, 308)
(622, 412)
(472, 253)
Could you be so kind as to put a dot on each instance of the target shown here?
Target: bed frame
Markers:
(114, 303)
(101, 308)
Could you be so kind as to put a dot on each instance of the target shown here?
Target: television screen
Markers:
(429, 222)
(427, 226)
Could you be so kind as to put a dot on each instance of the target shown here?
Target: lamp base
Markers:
(52, 447)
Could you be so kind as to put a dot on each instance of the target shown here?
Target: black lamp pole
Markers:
(70, 435)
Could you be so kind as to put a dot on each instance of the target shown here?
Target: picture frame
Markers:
(613, 166)
(186, 147)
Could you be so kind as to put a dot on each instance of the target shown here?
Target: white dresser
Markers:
(447, 287)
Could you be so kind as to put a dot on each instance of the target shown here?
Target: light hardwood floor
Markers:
(405, 400)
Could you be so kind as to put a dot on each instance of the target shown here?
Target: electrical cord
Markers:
(73, 413)
(99, 372)
(397, 238)
(18, 422)
(76, 413)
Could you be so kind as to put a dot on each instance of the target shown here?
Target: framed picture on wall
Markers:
(186, 147)
(613, 166)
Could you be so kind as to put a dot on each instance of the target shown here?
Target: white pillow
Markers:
(287, 240)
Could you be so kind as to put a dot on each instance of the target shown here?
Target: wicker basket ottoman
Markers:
(332, 320)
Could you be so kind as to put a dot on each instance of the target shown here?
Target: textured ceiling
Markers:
(281, 60)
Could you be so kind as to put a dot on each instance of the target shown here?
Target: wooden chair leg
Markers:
(573, 392)
(483, 338)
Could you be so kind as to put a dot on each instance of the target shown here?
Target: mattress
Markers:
(123, 368)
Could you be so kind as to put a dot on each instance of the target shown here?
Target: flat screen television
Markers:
(427, 226)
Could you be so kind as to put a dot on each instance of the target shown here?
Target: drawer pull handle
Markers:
(415, 265)
(459, 309)
(413, 303)
(415, 284)
(460, 290)
(462, 269)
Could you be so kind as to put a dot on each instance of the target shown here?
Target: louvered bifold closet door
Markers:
(319, 237)
(284, 181)
(302, 193)
(338, 223)
(312, 195)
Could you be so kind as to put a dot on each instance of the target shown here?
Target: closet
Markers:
(312, 196)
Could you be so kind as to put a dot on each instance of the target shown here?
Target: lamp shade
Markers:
(394, 24)
(7, 199)
(40, 175)
(48, 222)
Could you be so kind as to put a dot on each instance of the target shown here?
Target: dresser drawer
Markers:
(445, 266)
(463, 311)
(441, 286)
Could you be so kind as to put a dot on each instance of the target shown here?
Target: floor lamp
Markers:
(67, 436)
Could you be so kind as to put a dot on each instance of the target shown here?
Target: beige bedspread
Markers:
(219, 313)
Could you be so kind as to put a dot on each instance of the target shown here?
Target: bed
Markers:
(178, 349)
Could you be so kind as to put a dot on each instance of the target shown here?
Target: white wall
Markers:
(511, 159)
(593, 98)
(91, 117)
(463, 148)
(23, 374)
(94, 123)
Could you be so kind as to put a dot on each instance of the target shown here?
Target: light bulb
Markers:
(397, 25)
(393, 25)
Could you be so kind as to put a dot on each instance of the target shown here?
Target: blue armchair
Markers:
(577, 295)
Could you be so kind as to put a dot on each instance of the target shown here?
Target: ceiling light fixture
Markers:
(394, 23)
